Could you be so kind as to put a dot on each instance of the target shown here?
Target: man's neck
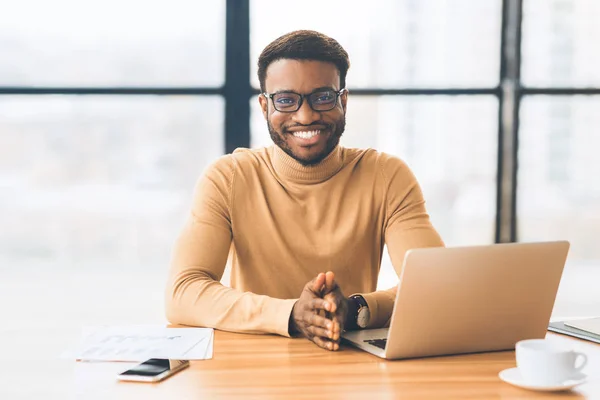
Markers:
(289, 168)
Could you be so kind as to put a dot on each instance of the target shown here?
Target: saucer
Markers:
(513, 376)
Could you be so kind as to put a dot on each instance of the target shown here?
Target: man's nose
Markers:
(305, 114)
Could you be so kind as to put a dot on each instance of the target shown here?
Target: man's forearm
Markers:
(381, 305)
(197, 300)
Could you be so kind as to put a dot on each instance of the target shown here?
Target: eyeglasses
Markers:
(318, 100)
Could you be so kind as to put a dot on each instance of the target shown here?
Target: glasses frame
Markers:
(338, 93)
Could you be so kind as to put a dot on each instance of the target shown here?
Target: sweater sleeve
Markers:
(194, 294)
(407, 227)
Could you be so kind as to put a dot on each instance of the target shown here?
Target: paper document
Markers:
(139, 343)
(589, 325)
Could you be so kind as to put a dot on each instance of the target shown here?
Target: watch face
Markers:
(362, 319)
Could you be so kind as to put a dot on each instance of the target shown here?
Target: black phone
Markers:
(153, 370)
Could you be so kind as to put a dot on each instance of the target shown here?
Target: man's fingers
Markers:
(329, 281)
(337, 301)
(320, 326)
(326, 344)
(321, 332)
(320, 304)
(332, 300)
(318, 283)
(336, 327)
(311, 318)
(321, 342)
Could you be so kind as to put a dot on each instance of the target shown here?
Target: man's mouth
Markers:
(306, 134)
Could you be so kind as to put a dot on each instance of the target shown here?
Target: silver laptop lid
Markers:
(473, 299)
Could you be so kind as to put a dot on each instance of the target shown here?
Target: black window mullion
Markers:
(561, 91)
(97, 90)
(237, 89)
(508, 121)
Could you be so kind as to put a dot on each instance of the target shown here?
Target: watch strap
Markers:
(355, 303)
(360, 300)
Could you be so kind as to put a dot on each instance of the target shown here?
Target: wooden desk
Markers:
(264, 367)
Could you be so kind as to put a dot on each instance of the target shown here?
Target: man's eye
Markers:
(324, 97)
(285, 100)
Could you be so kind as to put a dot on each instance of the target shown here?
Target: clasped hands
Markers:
(320, 312)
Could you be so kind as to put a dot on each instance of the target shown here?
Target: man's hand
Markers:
(333, 295)
(309, 315)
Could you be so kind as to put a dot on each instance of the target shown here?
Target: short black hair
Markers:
(304, 45)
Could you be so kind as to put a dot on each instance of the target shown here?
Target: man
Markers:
(303, 210)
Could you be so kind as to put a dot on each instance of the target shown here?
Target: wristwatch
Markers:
(363, 315)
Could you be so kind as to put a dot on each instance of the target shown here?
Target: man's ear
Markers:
(264, 105)
(344, 100)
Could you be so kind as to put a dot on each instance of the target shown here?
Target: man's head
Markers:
(312, 65)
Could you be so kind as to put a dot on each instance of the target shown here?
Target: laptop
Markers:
(469, 299)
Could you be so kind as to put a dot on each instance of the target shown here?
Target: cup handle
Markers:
(584, 359)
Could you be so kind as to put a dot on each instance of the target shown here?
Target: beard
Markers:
(332, 141)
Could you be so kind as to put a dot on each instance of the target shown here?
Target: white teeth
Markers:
(306, 135)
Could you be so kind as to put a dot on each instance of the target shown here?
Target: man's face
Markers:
(294, 132)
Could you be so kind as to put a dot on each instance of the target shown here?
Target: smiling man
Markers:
(309, 133)
(303, 221)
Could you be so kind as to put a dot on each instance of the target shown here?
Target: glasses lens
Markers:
(323, 100)
(286, 101)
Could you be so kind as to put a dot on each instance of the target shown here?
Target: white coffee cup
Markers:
(543, 363)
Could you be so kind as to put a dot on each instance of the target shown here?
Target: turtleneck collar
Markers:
(288, 168)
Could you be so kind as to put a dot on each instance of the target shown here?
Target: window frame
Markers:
(237, 92)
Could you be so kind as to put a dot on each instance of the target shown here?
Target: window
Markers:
(426, 43)
(560, 46)
(110, 110)
(559, 170)
(558, 190)
(94, 188)
(112, 43)
(101, 180)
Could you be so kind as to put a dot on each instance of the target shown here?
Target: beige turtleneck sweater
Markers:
(284, 223)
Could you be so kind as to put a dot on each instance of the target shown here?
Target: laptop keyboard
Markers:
(377, 342)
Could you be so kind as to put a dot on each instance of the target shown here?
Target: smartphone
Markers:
(153, 370)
